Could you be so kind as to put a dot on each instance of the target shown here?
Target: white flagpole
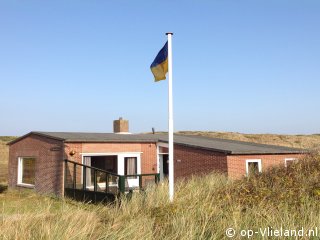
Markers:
(171, 168)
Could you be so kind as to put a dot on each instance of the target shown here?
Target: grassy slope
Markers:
(282, 197)
(4, 155)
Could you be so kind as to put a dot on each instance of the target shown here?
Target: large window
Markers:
(26, 171)
(130, 166)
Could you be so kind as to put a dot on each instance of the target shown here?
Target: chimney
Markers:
(121, 126)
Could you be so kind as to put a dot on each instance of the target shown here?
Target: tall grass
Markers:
(4, 156)
(203, 208)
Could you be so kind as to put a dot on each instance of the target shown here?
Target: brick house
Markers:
(37, 158)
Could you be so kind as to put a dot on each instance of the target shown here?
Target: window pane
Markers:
(130, 166)
(253, 168)
(289, 162)
(28, 170)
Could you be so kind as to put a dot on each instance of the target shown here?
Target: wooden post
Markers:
(140, 182)
(107, 182)
(121, 184)
(84, 180)
(95, 180)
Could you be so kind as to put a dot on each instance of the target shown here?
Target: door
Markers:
(164, 166)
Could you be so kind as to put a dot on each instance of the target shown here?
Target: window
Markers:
(130, 166)
(253, 167)
(26, 171)
(289, 161)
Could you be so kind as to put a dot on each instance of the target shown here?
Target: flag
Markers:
(159, 67)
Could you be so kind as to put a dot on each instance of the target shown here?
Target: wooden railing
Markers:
(101, 182)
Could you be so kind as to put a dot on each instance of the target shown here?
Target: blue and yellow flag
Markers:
(159, 67)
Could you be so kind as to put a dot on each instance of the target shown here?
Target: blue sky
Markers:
(243, 66)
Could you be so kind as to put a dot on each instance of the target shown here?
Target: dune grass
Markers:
(4, 156)
(203, 208)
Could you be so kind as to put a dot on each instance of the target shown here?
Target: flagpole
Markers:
(170, 109)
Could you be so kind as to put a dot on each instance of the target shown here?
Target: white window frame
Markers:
(120, 156)
(288, 159)
(252, 161)
(20, 171)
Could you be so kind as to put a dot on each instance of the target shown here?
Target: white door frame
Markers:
(120, 163)
(160, 158)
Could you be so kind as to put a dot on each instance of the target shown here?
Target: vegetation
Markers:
(7, 139)
(204, 207)
(4, 156)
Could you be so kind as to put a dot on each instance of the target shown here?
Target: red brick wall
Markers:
(237, 163)
(77, 148)
(111, 147)
(193, 161)
(148, 156)
(188, 160)
(49, 164)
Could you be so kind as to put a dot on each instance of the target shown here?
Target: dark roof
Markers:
(212, 144)
(99, 137)
(232, 146)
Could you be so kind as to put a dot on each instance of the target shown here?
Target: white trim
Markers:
(161, 144)
(20, 172)
(25, 185)
(289, 159)
(160, 158)
(251, 161)
(107, 154)
(120, 163)
(19, 180)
